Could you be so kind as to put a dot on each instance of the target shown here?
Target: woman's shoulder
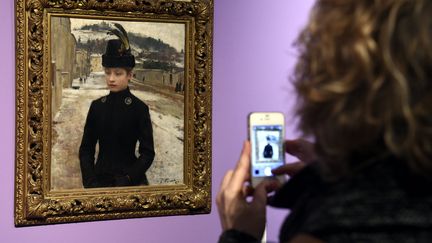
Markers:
(385, 195)
(138, 102)
(386, 198)
(386, 179)
(98, 102)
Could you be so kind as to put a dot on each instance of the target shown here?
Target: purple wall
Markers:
(253, 57)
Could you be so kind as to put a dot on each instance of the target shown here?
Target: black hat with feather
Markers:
(118, 51)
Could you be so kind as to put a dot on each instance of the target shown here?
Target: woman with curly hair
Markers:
(364, 84)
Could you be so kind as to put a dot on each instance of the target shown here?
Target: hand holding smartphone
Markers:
(266, 133)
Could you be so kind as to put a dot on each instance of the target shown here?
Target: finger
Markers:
(302, 149)
(220, 201)
(261, 191)
(220, 196)
(289, 169)
(241, 173)
(224, 183)
(226, 180)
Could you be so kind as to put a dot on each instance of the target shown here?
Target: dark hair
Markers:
(128, 69)
(364, 80)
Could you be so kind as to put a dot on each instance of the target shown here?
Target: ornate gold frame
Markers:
(34, 202)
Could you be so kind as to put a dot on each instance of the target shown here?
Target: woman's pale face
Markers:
(117, 79)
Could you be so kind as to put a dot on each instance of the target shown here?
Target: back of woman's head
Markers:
(364, 79)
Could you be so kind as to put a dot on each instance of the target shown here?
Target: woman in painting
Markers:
(268, 149)
(116, 122)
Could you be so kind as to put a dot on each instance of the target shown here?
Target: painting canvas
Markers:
(78, 78)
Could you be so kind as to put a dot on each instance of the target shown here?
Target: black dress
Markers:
(116, 122)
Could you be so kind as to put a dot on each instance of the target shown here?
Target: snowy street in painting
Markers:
(167, 114)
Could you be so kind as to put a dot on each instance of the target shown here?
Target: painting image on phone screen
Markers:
(267, 151)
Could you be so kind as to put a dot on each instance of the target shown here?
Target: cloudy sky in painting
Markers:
(170, 33)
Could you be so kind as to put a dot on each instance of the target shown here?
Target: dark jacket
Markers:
(268, 151)
(116, 122)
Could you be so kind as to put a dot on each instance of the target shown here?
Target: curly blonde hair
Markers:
(364, 81)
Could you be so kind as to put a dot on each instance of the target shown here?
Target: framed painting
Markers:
(88, 148)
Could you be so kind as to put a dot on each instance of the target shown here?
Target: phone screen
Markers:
(267, 149)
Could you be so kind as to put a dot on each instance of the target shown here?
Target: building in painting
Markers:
(63, 47)
(82, 64)
(159, 77)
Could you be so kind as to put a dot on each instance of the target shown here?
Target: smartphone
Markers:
(266, 134)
